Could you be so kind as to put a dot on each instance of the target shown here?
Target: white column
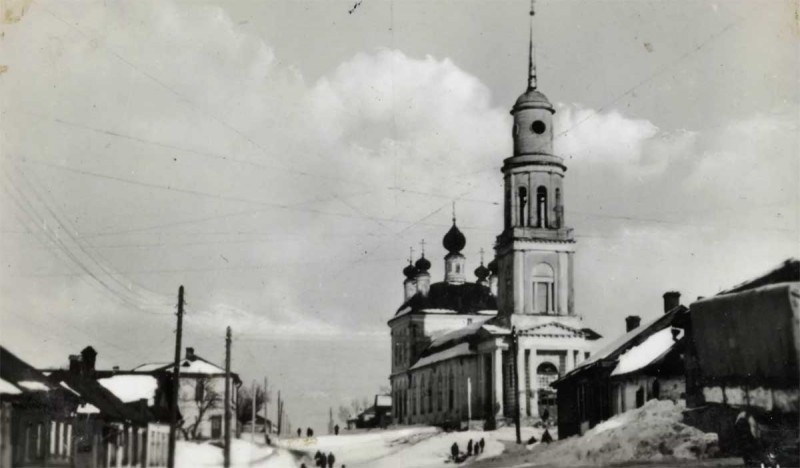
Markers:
(570, 360)
(534, 383)
(562, 284)
(519, 283)
(497, 371)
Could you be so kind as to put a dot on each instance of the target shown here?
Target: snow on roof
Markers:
(188, 366)
(88, 408)
(64, 385)
(383, 400)
(461, 349)
(7, 388)
(129, 388)
(646, 352)
(33, 385)
(153, 366)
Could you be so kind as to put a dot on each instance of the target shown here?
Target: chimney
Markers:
(672, 299)
(631, 322)
(74, 363)
(190, 353)
(89, 357)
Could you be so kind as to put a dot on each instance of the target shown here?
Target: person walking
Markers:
(309, 432)
(331, 460)
(483, 444)
(469, 448)
(546, 437)
(299, 432)
(454, 451)
(336, 429)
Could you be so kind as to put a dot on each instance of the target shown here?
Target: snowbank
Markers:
(243, 454)
(651, 433)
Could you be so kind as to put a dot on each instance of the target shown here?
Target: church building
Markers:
(452, 353)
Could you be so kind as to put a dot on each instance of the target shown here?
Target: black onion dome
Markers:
(409, 271)
(493, 266)
(454, 241)
(482, 272)
(422, 265)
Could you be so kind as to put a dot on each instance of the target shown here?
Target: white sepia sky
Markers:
(278, 158)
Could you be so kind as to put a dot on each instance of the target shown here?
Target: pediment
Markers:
(552, 329)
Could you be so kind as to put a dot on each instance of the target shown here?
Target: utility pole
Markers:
(469, 402)
(176, 383)
(227, 448)
(514, 353)
(253, 418)
(266, 407)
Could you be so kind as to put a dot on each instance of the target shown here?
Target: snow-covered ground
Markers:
(412, 447)
(652, 433)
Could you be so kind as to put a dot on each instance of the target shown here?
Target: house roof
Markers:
(18, 374)
(786, 271)
(629, 340)
(96, 398)
(647, 352)
(466, 298)
(191, 366)
(383, 400)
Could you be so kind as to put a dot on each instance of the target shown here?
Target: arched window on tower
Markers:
(541, 207)
(523, 206)
(544, 289)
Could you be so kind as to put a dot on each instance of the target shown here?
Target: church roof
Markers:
(532, 98)
(466, 298)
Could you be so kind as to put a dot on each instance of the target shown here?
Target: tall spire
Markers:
(454, 212)
(531, 53)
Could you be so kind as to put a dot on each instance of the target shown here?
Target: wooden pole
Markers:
(253, 417)
(227, 447)
(266, 406)
(514, 352)
(176, 383)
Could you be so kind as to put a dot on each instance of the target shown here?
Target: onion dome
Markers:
(482, 272)
(493, 266)
(409, 271)
(422, 265)
(454, 241)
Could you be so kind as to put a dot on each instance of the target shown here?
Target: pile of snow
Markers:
(651, 433)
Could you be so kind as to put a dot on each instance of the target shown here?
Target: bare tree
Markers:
(244, 403)
(343, 414)
(206, 398)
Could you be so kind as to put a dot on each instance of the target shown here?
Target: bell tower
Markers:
(535, 250)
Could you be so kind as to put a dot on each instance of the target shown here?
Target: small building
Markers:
(106, 430)
(377, 415)
(743, 351)
(36, 416)
(644, 363)
(201, 396)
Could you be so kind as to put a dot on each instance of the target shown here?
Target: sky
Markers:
(279, 158)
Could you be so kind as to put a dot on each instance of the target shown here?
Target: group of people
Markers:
(309, 432)
(473, 448)
(322, 460)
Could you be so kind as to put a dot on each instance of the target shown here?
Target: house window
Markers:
(216, 427)
(544, 289)
(199, 390)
